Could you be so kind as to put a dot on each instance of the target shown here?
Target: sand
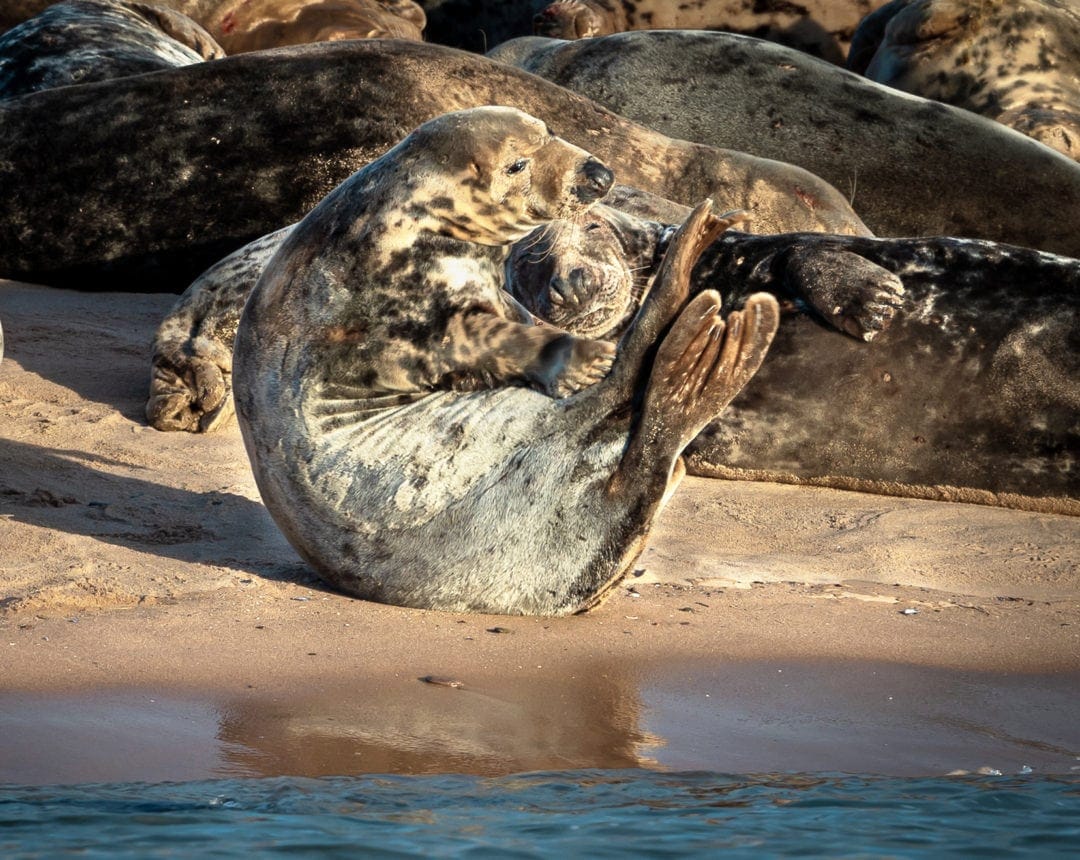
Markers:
(148, 603)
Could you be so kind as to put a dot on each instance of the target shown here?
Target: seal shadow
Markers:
(67, 491)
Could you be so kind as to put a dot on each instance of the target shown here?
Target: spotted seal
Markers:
(82, 41)
(969, 391)
(909, 166)
(249, 25)
(822, 28)
(396, 409)
(1014, 61)
(179, 168)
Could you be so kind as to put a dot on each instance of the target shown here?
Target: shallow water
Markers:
(567, 813)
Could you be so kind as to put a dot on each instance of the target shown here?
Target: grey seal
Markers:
(822, 28)
(969, 387)
(166, 173)
(910, 167)
(397, 413)
(83, 41)
(1017, 63)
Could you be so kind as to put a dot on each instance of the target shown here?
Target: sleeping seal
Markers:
(1014, 61)
(969, 391)
(910, 167)
(82, 41)
(396, 407)
(165, 174)
(822, 28)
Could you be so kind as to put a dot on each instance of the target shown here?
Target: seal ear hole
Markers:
(517, 166)
(592, 225)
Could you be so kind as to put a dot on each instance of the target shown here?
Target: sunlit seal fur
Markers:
(822, 28)
(179, 168)
(435, 474)
(82, 41)
(909, 166)
(1014, 61)
(249, 25)
(970, 390)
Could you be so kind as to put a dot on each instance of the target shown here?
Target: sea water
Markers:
(579, 813)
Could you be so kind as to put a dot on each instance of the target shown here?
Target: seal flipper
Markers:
(850, 292)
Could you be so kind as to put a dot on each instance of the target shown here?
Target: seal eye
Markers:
(517, 166)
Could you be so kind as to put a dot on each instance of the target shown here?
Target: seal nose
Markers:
(598, 181)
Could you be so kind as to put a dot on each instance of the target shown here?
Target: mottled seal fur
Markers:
(969, 391)
(910, 167)
(82, 41)
(1014, 61)
(249, 25)
(822, 28)
(165, 174)
(389, 400)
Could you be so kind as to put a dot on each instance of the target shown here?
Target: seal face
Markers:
(1014, 61)
(396, 405)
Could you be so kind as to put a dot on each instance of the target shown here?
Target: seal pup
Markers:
(910, 167)
(82, 41)
(165, 174)
(970, 390)
(822, 28)
(375, 372)
(1014, 61)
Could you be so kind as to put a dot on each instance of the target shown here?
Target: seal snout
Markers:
(598, 181)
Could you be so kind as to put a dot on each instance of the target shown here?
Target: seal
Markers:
(970, 389)
(822, 28)
(82, 41)
(1017, 63)
(397, 414)
(179, 168)
(249, 25)
(943, 171)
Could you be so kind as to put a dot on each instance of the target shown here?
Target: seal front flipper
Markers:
(850, 292)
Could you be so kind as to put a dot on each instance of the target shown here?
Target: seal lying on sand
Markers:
(910, 167)
(82, 41)
(249, 25)
(1014, 61)
(822, 28)
(165, 174)
(388, 395)
(970, 391)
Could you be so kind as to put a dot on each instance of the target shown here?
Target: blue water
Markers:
(591, 813)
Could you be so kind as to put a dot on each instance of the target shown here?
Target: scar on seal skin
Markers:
(400, 420)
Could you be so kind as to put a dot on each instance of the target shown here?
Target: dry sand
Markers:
(154, 624)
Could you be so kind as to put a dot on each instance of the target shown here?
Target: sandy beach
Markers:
(155, 624)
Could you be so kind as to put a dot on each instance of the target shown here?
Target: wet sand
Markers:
(764, 628)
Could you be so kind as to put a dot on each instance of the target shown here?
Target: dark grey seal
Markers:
(396, 410)
(909, 166)
(83, 41)
(163, 174)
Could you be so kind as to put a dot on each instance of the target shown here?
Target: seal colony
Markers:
(909, 166)
(1014, 61)
(165, 174)
(421, 477)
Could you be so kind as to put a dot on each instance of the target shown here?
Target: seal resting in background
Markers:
(910, 167)
(1014, 61)
(970, 390)
(249, 25)
(82, 41)
(822, 28)
(390, 397)
(165, 174)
